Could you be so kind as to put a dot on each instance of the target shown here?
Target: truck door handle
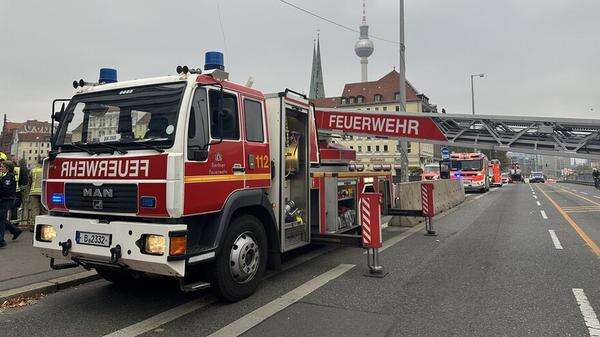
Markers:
(237, 168)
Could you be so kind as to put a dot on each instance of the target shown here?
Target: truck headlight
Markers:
(45, 233)
(154, 244)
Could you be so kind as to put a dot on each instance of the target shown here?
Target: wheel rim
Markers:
(244, 258)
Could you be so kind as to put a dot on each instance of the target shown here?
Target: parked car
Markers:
(537, 177)
(431, 172)
(505, 178)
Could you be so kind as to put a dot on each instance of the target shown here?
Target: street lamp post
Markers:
(473, 91)
(402, 90)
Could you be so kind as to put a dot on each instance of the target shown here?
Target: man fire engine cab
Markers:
(472, 168)
(193, 177)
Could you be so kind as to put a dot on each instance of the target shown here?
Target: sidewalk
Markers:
(21, 264)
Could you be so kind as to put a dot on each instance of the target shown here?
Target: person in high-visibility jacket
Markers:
(34, 207)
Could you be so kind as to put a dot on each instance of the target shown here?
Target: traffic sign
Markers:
(445, 153)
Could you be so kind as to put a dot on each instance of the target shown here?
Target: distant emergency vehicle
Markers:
(472, 169)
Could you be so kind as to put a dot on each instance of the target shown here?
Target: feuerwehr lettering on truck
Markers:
(110, 168)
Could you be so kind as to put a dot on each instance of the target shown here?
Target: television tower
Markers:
(364, 46)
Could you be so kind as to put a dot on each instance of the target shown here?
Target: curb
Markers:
(50, 286)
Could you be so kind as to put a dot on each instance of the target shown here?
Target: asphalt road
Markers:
(499, 267)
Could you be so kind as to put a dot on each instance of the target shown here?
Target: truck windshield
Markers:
(128, 117)
(467, 165)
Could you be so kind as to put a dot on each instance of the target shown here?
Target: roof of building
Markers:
(12, 125)
(387, 86)
(33, 137)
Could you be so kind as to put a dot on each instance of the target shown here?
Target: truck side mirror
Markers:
(57, 116)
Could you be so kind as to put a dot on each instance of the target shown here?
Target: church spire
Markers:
(317, 89)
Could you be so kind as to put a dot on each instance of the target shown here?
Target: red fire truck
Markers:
(472, 169)
(194, 177)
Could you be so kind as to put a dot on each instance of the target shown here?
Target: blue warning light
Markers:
(107, 75)
(213, 60)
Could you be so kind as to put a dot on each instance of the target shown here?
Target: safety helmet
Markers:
(3, 156)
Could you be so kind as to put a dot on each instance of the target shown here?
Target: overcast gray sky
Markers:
(540, 57)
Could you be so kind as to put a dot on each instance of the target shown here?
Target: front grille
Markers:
(114, 198)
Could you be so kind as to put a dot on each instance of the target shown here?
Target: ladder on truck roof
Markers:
(565, 137)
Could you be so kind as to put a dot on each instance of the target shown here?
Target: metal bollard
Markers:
(370, 219)
(429, 227)
(427, 207)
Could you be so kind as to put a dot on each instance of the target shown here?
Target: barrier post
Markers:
(370, 219)
(427, 207)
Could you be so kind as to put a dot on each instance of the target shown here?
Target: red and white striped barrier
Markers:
(427, 206)
(370, 222)
(370, 216)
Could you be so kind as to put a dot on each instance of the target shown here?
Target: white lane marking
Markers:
(538, 203)
(479, 196)
(597, 197)
(589, 316)
(543, 214)
(257, 316)
(557, 244)
(535, 196)
(160, 319)
(584, 193)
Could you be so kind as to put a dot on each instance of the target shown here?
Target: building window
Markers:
(397, 108)
(376, 148)
(397, 96)
(368, 108)
(29, 151)
(385, 108)
(377, 108)
(385, 148)
(360, 99)
(369, 148)
(408, 146)
(377, 98)
(359, 148)
(352, 147)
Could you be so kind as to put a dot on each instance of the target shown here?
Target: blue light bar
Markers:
(58, 198)
(107, 75)
(148, 202)
(214, 60)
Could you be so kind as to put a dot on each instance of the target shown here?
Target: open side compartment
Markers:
(295, 230)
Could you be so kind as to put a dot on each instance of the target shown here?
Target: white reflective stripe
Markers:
(589, 316)
(201, 257)
(257, 316)
(555, 240)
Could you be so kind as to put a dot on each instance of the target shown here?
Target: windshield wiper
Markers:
(142, 143)
(148, 146)
(112, 147)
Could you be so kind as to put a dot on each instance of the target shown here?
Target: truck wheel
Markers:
(243, 259)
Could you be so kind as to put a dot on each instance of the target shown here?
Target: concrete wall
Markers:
(446, 194)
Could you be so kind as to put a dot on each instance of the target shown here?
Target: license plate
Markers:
(93, 239)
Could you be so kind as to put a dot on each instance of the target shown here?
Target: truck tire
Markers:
(241, 264)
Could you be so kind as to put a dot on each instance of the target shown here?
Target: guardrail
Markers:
(579, 182)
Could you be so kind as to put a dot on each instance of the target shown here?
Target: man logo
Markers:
(97, 204)
(98, 192)
(218, 156)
